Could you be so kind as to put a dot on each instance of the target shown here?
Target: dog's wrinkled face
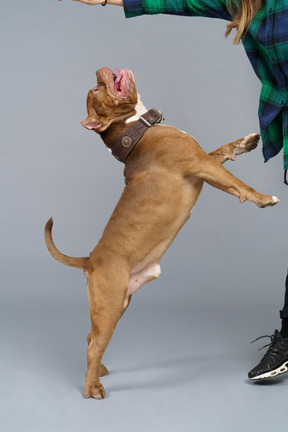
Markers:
(112, 100)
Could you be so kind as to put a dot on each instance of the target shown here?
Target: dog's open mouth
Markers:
(121, 84)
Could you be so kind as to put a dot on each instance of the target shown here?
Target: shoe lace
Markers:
(273, 345)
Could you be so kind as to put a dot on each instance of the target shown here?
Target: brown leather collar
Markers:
(130, 137)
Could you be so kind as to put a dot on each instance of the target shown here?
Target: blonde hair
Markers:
(242, 15)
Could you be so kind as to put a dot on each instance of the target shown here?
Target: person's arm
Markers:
(97, 2)
(204, 8)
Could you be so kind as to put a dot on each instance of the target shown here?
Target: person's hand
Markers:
(96, 2)
(89, 2)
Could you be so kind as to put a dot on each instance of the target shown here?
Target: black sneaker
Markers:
(275, 361)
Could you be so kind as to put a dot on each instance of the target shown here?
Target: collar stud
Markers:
(126, 141)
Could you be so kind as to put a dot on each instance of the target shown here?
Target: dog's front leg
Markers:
(235, 148)
(211, 171)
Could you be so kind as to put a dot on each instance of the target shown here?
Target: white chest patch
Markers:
(140, 110)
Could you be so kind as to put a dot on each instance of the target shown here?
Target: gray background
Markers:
(180, 356)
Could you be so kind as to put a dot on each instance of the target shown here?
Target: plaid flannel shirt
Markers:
(266, 45)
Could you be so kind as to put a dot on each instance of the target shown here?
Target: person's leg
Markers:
(284, 313)
(275, 361)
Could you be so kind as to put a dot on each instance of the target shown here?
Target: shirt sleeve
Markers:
(204, 8)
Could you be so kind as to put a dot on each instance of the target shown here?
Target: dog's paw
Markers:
(246, 144)
(267, 201)
(103, 371)
(94, 391)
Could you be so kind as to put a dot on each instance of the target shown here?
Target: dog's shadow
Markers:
(180, 362)
(176, 372)
(170, 373)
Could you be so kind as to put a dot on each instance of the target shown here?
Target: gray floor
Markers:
(179, 358)
(173, 366)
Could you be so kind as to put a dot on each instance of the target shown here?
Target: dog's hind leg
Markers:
(233, 149)
(103, 370)
(106, 291)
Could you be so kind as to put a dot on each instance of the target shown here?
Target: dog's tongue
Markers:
(121, 83)
(119, 75)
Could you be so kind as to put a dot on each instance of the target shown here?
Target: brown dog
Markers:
(164, 175)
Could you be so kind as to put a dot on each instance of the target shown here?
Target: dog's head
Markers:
(112, 100)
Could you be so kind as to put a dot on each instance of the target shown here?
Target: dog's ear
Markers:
(91, 124)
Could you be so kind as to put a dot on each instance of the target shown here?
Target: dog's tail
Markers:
(57, 255)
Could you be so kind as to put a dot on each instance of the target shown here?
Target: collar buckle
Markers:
(160, 114)
(157, 121)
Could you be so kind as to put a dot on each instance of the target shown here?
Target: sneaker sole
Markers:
(281, 370)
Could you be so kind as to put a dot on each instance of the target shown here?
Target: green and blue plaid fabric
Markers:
(266, 45)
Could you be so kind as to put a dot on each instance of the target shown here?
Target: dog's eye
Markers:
(95, 89)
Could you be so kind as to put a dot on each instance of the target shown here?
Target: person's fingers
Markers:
(89, 2)
(97, 2)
